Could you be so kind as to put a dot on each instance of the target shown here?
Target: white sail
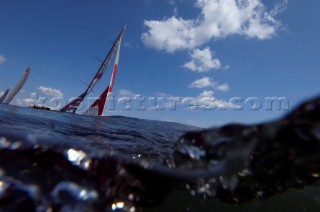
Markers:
(4, 95)
(72, 106)
(97, 108)
(13, 92)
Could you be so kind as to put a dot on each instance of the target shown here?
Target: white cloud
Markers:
(171, 2)
(208, 82)
(175, 11)
(202, 83)
(50, 91)
(217, 19)
(131, 45)
(170, 34)
(2, 59)
(202, 61)
(224, 87)
(207, 93)
(207, 101)
(163, 94)
(126, 93)
(226, 67)
(25, 102)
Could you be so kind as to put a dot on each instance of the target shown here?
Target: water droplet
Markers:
(78, 158)
(192, 151)
(244, 172)
(123, 206)
(2, 172)
(3, 188)
(117, 205)
(259, 193)
(74, 190)
(316, 131)
(130, 196)
(4, 143)
(15, 145)
(229, 183)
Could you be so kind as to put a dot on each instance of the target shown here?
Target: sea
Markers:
(55, 161)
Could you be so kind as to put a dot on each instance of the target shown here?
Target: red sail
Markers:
(97, 108)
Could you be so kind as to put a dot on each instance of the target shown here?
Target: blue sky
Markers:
(190, 50)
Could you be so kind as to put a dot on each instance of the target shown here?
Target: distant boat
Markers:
(97, 108)
(13, 92)
(40, 107)
(73, 105)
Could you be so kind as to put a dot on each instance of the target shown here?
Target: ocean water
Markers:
(53, 161)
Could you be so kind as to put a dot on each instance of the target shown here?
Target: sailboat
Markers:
(12, 93)
(73, 105)
(97, 108)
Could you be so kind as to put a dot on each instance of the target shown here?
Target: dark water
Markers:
(52, 161)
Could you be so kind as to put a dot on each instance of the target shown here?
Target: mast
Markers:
(17, 88)
(4, 95)
(72, 106)
(97, 108)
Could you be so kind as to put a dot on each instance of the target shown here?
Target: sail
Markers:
(115, 68)
(97, 108)
(4, 95)
(17, 88)
(73, 105)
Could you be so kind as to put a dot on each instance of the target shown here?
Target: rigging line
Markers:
(99, 59)
(91, 90)
(110, 40)
(86, 70)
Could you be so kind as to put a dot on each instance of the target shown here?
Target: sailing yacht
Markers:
(10, 94)
(99, 104)
(97, 108)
